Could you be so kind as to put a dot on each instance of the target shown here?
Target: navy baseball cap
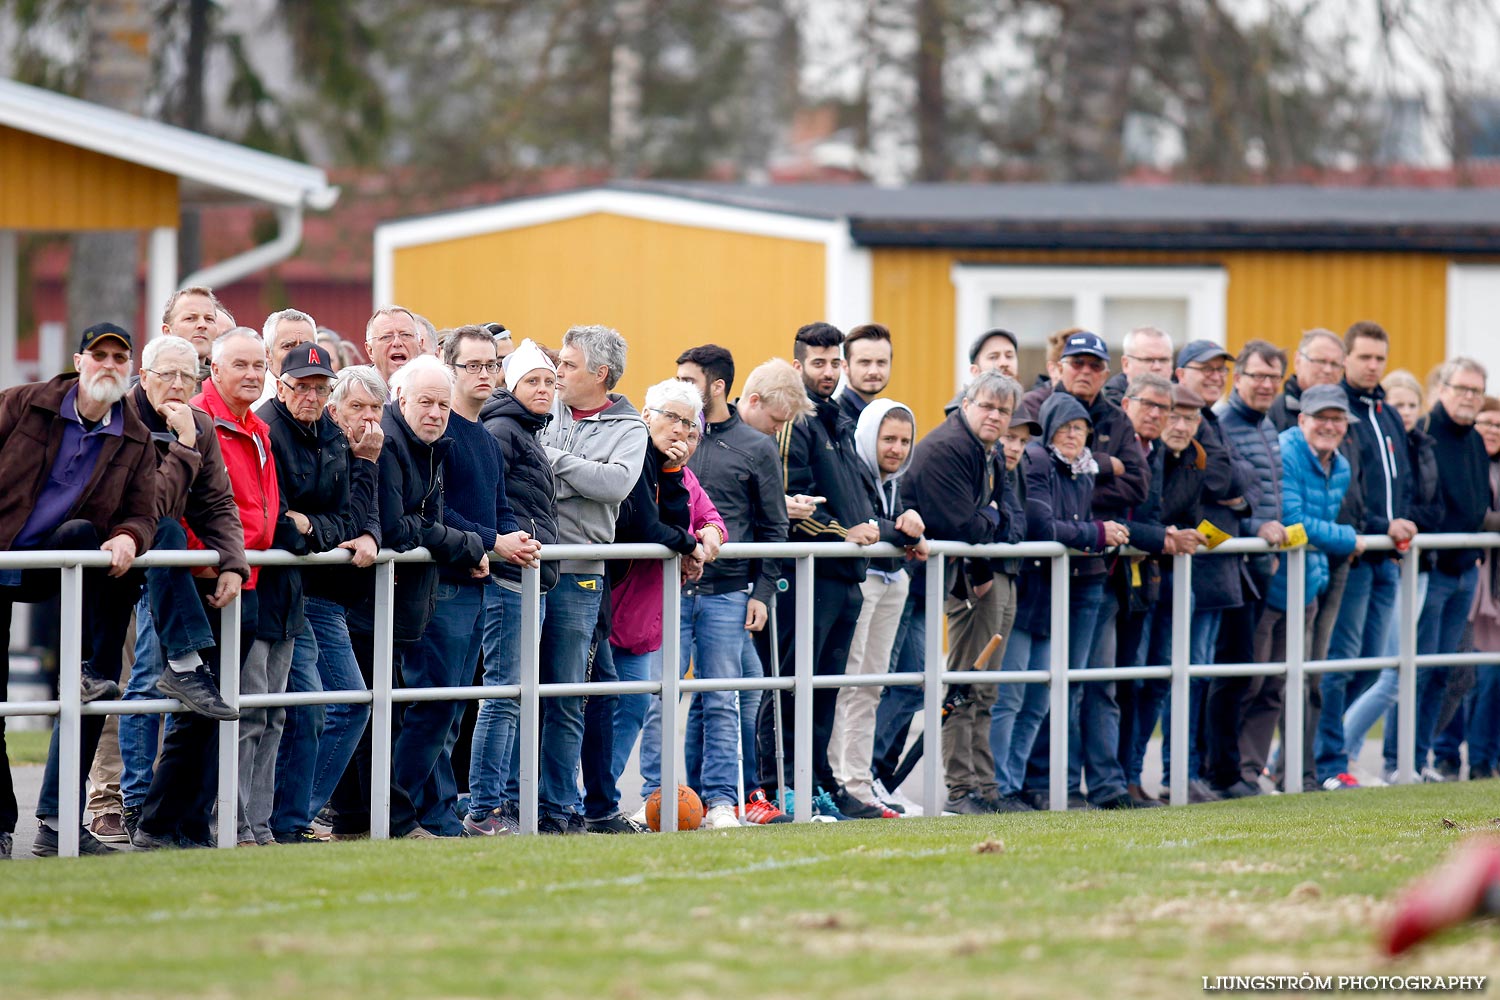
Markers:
(103, 331)
(1199, 351)
(307, 359)
(1084, 342)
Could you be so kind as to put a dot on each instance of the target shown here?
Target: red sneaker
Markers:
(1467, 885)
(759, 810)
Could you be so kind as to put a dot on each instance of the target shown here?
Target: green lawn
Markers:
(28, 746)
(1101, 905)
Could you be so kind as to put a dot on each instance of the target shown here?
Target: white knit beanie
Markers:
(526, 358)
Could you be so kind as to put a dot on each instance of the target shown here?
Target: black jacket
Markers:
(1463, 488)
(528, 476)
(411, 515)
(953, 479)
(1385, 469)
(1426, 500)
(321, 479)
(655, 512)
(818, 459)
(1113, 437)
(1216, 579)
(738, 468)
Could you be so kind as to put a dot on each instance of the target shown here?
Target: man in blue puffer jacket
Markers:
(1315, 478)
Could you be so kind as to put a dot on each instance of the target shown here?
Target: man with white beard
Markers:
(80, 473)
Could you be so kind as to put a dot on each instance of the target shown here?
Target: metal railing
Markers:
(383, 694)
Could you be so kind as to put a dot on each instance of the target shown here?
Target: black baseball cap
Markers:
(984, 338)
(103, 331)
(1199, 351)
(307, 359)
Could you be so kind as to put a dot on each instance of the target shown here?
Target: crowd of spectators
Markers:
(224, 437)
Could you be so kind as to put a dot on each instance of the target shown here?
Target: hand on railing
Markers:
(364, 548)
(121, 549)
(226, 590)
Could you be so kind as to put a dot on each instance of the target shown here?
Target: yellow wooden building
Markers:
(672, 265)
(67, 165)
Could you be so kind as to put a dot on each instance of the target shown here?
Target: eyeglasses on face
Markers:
(175, 377)
(1217, 371)
(995, 408)
(1327, 364)
(308, 389)
(1464, 391)
(1080, 362)
(1261, 378)
(404, 335)
(1153, 362)
(686, 422)
(475, 367)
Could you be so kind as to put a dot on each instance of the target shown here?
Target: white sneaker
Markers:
(895, 800)
(639, 817)
(721, 818)
(1432, 774)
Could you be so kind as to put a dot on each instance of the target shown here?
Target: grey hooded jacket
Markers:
(596, 462)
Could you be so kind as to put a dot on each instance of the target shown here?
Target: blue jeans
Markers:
(139, 734)
(445, 656)
(1484, 725)
(1362, 630)
(297, 757)
(1019, 709)
(494, 764)
(1154, 649)
(1203, 640)
(713, 629)
(1378, 698)
(343, 725)
(567, 633)
(1445, 612)
(898, 705)
(631, 712)
(1093, 715)
(748, 704)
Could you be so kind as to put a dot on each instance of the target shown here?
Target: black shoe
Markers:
(855, 809)
(555, 826)
(1241, 789)
(1446, 768)
(1200, 791)
(297, 837)
(967, 804)
(576, 824)
(1077, 801)
(1008, 804)
(197, 691)
(1038, 800)
(614, 824)
(143, 841)
(131, 817)
(45, 845)
(7, 842)
(1126, 801)
(92, 687)
(1481, 773)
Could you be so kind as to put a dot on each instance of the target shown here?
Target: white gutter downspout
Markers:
(232, 269)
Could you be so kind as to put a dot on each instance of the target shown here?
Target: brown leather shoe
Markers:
(1140, 795)
(110, 828)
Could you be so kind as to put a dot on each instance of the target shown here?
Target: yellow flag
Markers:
(1213, 536)
(1296, 536)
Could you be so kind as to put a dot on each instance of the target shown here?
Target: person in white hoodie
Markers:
(883, 440)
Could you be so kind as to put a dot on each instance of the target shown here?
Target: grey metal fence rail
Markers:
(383, 695)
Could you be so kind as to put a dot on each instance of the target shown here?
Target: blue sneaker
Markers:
(824, 811)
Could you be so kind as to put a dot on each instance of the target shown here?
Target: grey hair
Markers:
(600, 345)
(268, 331)
(1144, 331)
(166, 344)
(1148, 382)
(1453, 366)
(1317, 333)
(673, 391)
(427, 331)
(992, 383)
(363, 375)
(390, 310)
(416, 366)
(238, 333)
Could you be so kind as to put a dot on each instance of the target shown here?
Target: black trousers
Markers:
(107, 603)
(1225, 713)
(836, 605)
(351, 797)
(180, 801)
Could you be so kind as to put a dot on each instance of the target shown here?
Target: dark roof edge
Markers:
(686, 191)
(1226, 237)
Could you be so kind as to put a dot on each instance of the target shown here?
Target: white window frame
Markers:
(976, 285)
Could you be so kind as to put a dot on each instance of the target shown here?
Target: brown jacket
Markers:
(120, 499)
(192, 484)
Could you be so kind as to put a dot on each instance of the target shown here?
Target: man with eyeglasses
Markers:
(1203, 368)
(328, 483)
(1120, 485)
(392, 339)
(1242, 417)
(77, 464)
(1320, 361)
(1386, 481)
(1145, 351)
(447, 655)
(1464, 490)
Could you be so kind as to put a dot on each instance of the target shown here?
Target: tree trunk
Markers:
(117, 74)
(626, 84)
(1098, 43)
(932, 100)
(190, 236)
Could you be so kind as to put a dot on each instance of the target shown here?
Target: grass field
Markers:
(1082, 904)
(28, 746)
